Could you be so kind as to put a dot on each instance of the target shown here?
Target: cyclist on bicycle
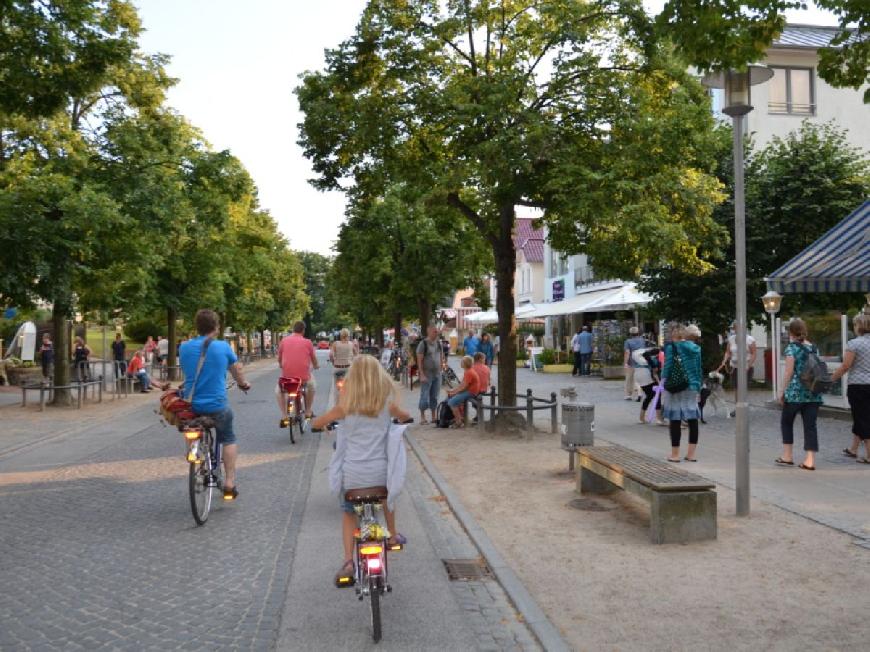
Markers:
(295, 358)
(210, 399)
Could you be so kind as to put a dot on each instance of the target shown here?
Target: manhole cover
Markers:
(467, 569)
(588, 505)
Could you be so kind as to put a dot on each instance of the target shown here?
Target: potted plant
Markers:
(552, 361)
(23, 372)
(612, 357)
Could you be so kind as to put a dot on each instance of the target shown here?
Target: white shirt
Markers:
(575, 343)
(732, 346)
(163, 347)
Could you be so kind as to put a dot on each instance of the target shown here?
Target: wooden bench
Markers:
(683, 505)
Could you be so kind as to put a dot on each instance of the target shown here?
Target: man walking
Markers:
(430, 360)
(119, 356)
(632, 344)
(470, 344)
(585, 339)
(575, 347)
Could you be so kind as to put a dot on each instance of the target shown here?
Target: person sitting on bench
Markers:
(136, 369)
(468, 389)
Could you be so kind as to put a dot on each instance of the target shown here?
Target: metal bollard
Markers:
(100, 391)
(42, 398)
(554, 419)
(530, 414)
(481, 421)
(79, 389)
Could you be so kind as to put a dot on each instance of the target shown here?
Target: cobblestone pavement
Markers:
(101, 552)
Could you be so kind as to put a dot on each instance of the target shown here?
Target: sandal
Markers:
(424, 422)
(689, 459)
(779, 460)
(397, 542)
(849, 453)
(345, 576)
(863, 460)
(231, 494)
(805, 467)
(674, 461)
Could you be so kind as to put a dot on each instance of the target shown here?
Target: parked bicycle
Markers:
(294, 391)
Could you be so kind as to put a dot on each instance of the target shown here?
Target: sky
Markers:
(237, 63)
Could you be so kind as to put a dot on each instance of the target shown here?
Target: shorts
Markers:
(223, 425)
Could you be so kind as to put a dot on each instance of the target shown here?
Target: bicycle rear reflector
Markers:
(370, 550)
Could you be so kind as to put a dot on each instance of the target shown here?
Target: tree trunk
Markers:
(425, 308)
(505, 265)
(249, 343)
(172, 336)
(397, 327)
(222, 324)
(59, 315)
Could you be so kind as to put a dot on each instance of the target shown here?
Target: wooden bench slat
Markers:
(659, 476)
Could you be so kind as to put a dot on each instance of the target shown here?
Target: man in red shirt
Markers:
(481, 370)
(296, 357)
(468, 389)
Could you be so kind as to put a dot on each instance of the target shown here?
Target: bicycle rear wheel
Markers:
(375, 603)
(200, 487)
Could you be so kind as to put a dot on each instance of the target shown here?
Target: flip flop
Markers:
(231, 493)
(849, 453)
(674, 461)
(783, 462)
(424, 422)
(805, 467)
(689, 459)
(863, 460)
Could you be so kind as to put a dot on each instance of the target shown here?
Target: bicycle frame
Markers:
(195, 437)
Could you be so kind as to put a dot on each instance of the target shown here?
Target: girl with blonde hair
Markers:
(366, 453)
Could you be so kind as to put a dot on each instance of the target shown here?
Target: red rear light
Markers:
(374, 565)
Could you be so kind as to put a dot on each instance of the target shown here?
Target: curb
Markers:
(542, 629)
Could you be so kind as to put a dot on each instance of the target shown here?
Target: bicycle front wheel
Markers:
(201, 489)
(375, 602)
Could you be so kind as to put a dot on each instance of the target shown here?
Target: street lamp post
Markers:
(737, 85)
(772, 301)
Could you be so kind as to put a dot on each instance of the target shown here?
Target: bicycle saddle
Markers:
(366, 495)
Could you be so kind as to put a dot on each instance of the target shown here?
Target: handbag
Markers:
(678, 379)
(174, 408)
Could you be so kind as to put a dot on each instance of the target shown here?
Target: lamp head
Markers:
(737, 84)
(772, 301)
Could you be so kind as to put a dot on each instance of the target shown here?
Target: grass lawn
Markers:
(95, 342)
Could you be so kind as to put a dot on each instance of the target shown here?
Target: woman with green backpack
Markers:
(797, 398)
(682, 381)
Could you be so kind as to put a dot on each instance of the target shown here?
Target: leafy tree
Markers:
(797, 188)
(721, 34)
(315, 269)
(563, 105)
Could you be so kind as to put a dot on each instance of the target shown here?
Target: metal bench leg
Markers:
(681, 517)
(589, 482)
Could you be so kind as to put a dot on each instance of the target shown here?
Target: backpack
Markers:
(445, 415)
(678, 379)
(815, 376)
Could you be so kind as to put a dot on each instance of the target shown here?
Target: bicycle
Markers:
(204, 458)
(371, 544)
(448, 376)
(294, 389)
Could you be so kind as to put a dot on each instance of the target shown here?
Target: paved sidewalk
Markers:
(837, 494)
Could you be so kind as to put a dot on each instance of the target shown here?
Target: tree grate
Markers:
(467, 569)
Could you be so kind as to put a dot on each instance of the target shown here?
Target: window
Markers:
(792, 91)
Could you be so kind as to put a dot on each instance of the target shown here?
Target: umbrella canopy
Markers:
(839, 261)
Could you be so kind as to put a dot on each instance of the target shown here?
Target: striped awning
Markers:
(839, 261)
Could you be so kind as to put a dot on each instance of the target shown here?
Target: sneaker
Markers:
(628, 398)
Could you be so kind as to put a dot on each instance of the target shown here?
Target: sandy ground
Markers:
(775, 581)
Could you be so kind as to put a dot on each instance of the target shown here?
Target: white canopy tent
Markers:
(486, 317)
(620, 296)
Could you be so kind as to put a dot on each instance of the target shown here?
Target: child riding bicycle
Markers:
(365, 452)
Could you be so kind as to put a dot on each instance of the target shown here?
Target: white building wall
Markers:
(845, 105)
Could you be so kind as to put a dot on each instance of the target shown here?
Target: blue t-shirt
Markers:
(470, 345)
(585, 339)
(211, 388)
